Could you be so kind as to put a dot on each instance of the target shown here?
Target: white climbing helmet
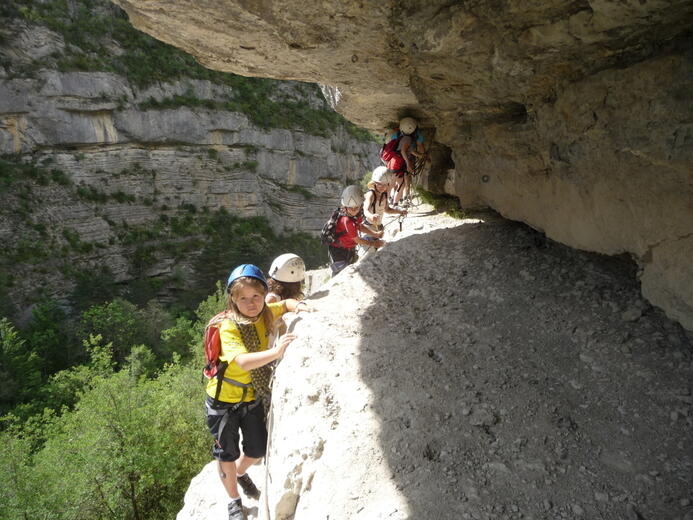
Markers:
(288, 268)
(407, 125)
(380, 174)
(352, 196)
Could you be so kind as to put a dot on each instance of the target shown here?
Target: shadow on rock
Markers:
(517, 378)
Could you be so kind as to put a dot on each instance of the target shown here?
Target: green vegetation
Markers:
(365, 180)
(115, 403)
(12, 170)
(242, 166)
(75, 242)
(444, 203)
(129, 433)
(91, 194)
(254, 98)
(230, 240)
(294, 188)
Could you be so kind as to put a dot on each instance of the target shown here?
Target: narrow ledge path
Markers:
(473, 369)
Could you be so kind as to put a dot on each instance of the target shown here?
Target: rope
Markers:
(400, 218)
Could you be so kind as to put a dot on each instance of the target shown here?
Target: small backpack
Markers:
(212, 344)
(214, 367)
(329, 234)
(391, 157)
(389, 149)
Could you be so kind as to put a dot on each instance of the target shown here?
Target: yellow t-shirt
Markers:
(231, 346)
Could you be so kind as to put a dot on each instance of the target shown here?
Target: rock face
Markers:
(91, 125)
(133, 159)
(572, 117)
(476, 370)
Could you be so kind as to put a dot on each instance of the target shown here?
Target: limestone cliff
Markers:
(574, 117)
(113, 162)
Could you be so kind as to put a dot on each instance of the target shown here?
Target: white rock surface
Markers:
(436, 382)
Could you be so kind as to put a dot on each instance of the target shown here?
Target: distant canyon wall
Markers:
(576, 118)
(135, 158)
(90, 125)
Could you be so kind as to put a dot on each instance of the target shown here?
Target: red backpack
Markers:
(389, 149)
(212, 343)
(214, 367)
(391, 156)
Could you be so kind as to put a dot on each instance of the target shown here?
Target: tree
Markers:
(181, 338)
(155, 318)
(141, 362)
(64, 388)
(118, 322)
(130, 447)
(19, 490)
(47, 337)
(20, 370)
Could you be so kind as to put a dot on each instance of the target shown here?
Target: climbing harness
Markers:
(260, 377)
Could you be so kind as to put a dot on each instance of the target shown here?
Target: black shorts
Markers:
(250, 419)
(340, 258)
(340, 254)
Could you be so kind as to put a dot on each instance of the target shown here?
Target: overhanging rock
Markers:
(575, 118)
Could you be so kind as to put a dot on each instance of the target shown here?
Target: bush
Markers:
(118, 322)
(441, 202)
(130, 447)
(19, 494)
(20, 369)
(141, 363)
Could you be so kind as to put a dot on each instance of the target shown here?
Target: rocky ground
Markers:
(474, 369)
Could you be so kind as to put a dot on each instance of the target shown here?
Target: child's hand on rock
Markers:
(284, 342)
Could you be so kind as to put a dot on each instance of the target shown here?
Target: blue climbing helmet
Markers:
(249, 270)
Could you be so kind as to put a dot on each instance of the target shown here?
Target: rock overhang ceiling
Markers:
(574, 117)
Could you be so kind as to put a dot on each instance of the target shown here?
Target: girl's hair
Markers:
(285, 289)
(236, 315)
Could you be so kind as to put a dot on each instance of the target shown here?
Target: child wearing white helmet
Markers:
(375, 203)
(286, 275)
(410, 145)
(342, 251)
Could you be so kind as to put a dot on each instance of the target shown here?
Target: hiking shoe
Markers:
(248, 486)
(236, 510)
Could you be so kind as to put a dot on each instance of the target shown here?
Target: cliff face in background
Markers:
(116, 162)
(205, 157)
(575, 118)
